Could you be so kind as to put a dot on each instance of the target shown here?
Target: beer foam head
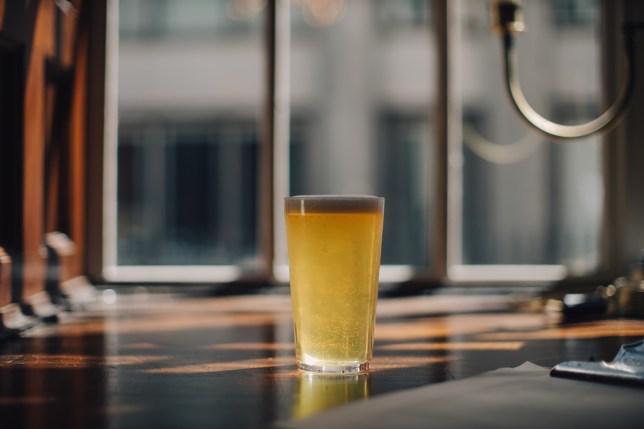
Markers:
(334, 204)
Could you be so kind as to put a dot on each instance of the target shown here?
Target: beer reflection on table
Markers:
(318, 392)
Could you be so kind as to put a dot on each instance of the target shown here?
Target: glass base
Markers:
(352, 368)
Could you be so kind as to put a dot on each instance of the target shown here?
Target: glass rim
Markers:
(334, 203)
(334, 197)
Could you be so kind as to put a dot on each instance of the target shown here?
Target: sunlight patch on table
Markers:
(213, 367)
(72, 361)
(468, 345)
(251, 346)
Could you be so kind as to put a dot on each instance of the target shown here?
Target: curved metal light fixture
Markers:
(507, 20)
(496, 153)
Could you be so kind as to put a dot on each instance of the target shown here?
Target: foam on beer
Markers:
(334, 204)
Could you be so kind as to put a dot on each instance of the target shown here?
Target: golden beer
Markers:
(334, 247)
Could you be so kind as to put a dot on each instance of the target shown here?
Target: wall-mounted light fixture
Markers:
(507, 20)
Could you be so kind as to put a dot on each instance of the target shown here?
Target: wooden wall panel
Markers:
(5, 278)
(77, 148)
(12, 76)
(42, 161)
(33, 262)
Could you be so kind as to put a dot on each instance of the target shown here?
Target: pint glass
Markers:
(334, 245)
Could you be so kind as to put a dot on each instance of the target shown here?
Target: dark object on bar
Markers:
(583, 306)
(627, 367)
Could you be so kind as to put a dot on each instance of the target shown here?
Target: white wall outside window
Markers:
(362, 117)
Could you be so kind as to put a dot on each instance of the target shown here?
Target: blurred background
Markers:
(362, 119)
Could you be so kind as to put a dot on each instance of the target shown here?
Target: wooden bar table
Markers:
(168, 360)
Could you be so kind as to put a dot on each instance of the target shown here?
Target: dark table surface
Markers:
(162, 360)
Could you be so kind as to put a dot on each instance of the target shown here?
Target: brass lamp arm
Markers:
(508, 23)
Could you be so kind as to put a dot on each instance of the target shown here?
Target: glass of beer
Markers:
(334, 244)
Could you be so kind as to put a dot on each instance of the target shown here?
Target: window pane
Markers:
(529, 200)
(362, 83)
(190, 92)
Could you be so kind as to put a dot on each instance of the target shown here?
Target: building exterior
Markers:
(362, 90)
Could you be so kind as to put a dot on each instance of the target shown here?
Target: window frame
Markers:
(620, 173)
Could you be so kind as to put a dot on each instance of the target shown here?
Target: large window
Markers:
(345, 97)
(527, 202)
(190, 91)
(362, 82)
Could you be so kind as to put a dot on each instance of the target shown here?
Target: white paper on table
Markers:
(523, 397)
